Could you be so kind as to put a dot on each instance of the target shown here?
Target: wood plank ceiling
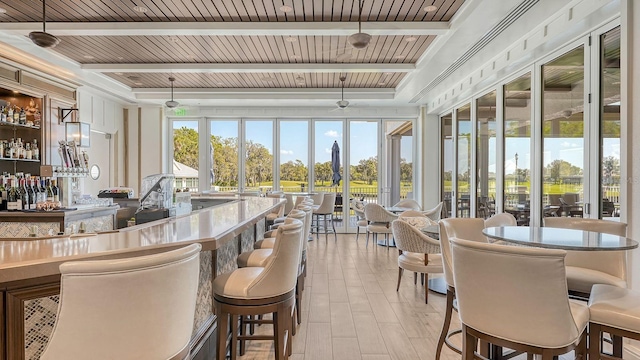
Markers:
(259, 49)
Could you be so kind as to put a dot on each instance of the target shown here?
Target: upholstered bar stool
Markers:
(277, 212)
(261, 290)
(616, 311)
(269, 242)
(587, 268)
(325, 210)
(133, 308)
(534, 315)
(463, 228)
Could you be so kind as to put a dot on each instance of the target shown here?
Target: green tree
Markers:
(323, 172)
(225, 160)
(367, 169)
(557, 169)
(610, 168)
(406, 171)
(185, 146)
(258, 165)
(293, 171)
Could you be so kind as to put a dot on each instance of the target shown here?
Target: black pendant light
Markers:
(171, 103)
(43, 38)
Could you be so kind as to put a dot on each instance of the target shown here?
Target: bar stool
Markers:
(269, 242)
(325, 209)
(133, 308)
(257, 291)
(614, 310)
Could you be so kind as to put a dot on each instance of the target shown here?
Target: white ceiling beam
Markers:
(248, 68)
(265, 93)
(414, 28)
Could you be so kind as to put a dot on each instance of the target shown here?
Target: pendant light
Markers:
(43, 38)
(359, 40)
(171, 103)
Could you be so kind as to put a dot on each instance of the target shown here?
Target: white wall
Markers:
(146, 145)
(106, 119)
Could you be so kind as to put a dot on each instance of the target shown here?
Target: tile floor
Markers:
(352, 311)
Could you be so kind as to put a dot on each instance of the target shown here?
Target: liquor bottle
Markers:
(23, 197)
(49, 190)
(9, 113)
(16, 115)
(36, 117)
(22, 117)
(3, 195)
(34, 150)
(3, 114)
(28, 152)
(31, 195)
(43, 191)
(12, 196)
(55, 190)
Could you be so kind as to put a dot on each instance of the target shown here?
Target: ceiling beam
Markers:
(249, 68)
(265, 93)
(414, 28)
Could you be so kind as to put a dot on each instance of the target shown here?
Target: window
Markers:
(326, 134)
(186, 157)
(258, 146)
(486, 155)
(224, 149)
(447, 162)
(517, 148)
(294, 156)
(463, 121)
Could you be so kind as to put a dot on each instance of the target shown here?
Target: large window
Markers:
(363, 159)
(486, 155)
(294, 156)
(258, 163)
(563, 89)
(463, 192)
(327, 133)
(517, 148)
(610, 124)
(185, 162)
(224, 155)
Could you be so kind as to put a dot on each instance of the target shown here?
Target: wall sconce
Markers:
(78, 132)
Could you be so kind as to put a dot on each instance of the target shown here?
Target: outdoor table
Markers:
(558, 238)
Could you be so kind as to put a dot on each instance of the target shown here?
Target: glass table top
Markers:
(556, 238)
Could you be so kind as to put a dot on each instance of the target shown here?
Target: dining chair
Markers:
(435, 213)
(417, 252)
(134, 308)
(587, 268)
(409, 204)
(613, 310)
(502, 219)
(361, 221)
(516, 297)
(379, 221)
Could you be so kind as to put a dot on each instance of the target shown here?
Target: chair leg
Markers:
(617, 345)
(400, 270)
(581, 350)
(223, 324)
(426, 289)
(357, 232)
(326, 228)
(278, 333)
(447, 322)
(289, 338)
(415, 278)
(422, 276)
(299, 289)
(595, 332)
(234, 337)
(333, 226)
(468, 345)
(243, 330)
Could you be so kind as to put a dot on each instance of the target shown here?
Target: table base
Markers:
(438, 285)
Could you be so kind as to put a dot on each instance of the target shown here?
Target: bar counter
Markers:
(30, 279)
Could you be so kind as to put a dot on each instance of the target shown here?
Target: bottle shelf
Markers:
(21, 160)
(20, 126)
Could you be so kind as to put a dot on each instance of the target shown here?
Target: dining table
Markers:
(559, 238)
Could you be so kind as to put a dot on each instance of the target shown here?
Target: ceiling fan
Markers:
(43, 38)
(342, 104)
(171, 104)
(357, 42)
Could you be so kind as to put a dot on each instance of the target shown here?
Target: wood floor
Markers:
(351, 309)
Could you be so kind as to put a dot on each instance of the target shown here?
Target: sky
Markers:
(294, 138)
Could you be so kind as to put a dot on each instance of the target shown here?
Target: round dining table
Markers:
(558, 238)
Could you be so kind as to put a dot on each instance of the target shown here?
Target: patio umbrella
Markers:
(335, 164)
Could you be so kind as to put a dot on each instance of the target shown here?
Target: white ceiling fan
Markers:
(357, 42)
(342, 104)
